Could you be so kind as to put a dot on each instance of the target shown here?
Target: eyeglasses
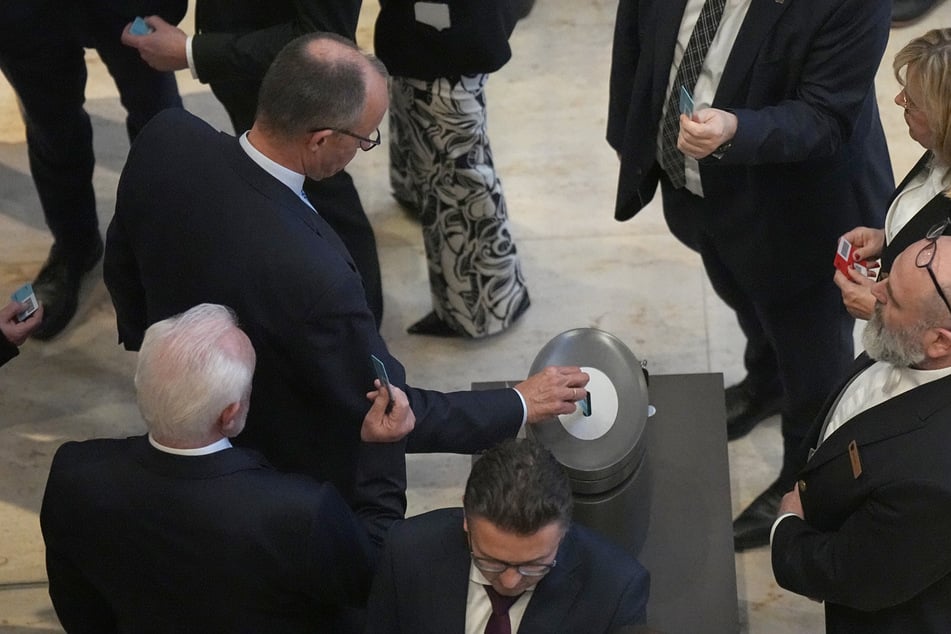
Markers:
(926, 256)
(907, 103)
(497, 567)
(365, 144)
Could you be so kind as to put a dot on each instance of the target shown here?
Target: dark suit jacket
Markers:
(423, 579)
(937, 209)
(877, 548)
(198, 221)
(808, 161)
(138, 540)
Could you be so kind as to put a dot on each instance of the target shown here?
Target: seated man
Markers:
(510, 558)
(179, 531)
(867, 529)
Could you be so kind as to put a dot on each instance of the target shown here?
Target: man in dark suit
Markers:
(449, 570)
(235, 44)
(867, 529)
(41, 55)
(782, 152)
(179, 531)
(202, 216)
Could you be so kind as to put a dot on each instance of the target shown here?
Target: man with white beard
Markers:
(867, 528)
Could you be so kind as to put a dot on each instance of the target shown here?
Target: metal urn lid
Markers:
(602, 447)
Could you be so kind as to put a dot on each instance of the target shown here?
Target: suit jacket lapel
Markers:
(906, 412)
(759, 21)
(555, 595)
(445, 609)
(284, 198)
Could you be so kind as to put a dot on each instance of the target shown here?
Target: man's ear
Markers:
(940, 345)
(228, 423)
(318, 138)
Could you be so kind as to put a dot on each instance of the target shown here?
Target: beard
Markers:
(901, 348)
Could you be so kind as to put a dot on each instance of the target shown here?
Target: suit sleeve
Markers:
(383, 606)
(224, 56)
(834, 81)
(901, 534)
(339, 555)
(379, 497)
(120, 271)
(459, 422)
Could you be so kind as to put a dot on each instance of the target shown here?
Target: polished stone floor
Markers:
(547, 120)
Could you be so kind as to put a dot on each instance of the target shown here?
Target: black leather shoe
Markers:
(433, 326)
(904, 11)
(746, 408)
(57, 287)
(751, 527)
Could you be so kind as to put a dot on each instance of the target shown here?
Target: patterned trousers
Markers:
(441, 164)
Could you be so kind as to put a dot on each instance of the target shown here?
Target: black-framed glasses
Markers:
(926, 256)
(497, 567)
(365, 144)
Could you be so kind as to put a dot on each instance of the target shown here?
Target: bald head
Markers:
(911, 321)
(193, 377)
(318, 81)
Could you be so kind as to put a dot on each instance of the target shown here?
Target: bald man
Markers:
(867, 528)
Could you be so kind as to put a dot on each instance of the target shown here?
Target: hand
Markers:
(866, 242)
(856, 293)
(708, 129)
(380, 426)
(791, 504)
(163, 49)
(17, 332)
(555, 390)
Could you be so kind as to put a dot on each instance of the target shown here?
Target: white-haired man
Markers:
(179, 531)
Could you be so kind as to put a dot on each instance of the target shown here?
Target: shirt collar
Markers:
(218, 445)
(292, 179)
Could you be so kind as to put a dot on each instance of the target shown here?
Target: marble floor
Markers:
(547, 122)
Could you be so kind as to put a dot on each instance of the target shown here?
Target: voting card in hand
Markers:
(686, 102)
(25, 295)
(845, 259)
(139, 27)
(384, 379)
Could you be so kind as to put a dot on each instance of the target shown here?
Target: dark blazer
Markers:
(808, 161)
(422, 583)
(138, 540)
(198, 221)
(937, 209)
(877, 547)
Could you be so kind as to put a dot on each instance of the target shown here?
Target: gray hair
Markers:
(317, 81)
(190, 368)
(519, 487)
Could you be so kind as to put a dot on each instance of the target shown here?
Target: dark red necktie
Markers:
(499, 621)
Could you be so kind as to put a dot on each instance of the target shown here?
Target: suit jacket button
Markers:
(802, 486)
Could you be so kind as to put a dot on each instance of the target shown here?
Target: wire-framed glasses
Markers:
(497, 567)
(366, 144)
(926, 256)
